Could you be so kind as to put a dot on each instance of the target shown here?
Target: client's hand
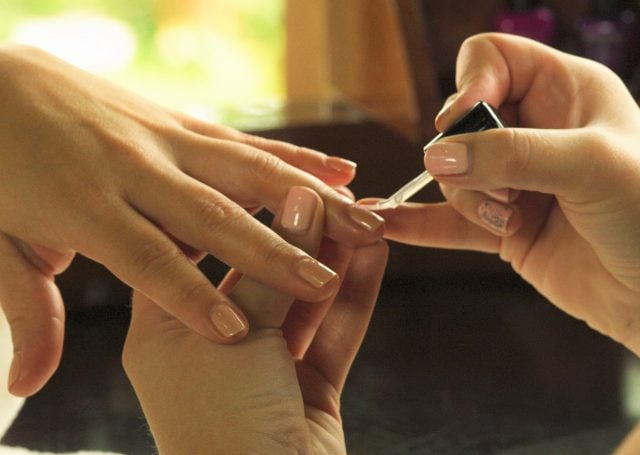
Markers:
(88, 167)
(278, 390)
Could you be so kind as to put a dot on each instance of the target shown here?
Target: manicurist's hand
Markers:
(558, 196)
(277, 390)
(88, 167)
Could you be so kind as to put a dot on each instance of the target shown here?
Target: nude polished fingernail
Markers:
(495, 215)
(315, 273)
(226, 321)
(340, 164)
(446, 158)
(365, 218)
(299, 209)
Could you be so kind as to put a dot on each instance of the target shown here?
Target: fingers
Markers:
(482, 73)
(495, 69)
(147, 260)
(301, 223)
(34, 310)
(553, 89)
(501, 218)
(303, 320)
(437, 226)
(251, 177)
(338, 339)
(47, 260)
(220, 227)
(332, 170)
(568, 163)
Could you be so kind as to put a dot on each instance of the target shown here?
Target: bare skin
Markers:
(90, 168)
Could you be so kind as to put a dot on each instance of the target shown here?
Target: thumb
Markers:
(504, 70)
(33, 306)
(482, 73)
(568, 163)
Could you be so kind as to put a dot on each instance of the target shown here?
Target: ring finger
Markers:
(497, 216)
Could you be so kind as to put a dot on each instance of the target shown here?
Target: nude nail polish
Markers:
(446, 158)
(369, 220)
(340, 164)
(495, 215)
(315, 273)
(226, 321)
(299, 209)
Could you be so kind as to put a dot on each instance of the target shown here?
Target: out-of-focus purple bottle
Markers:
(528, 18)
(609, 35)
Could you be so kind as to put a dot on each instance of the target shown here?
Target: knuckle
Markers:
(265, 166)
(276, 252)
(183, 298)
(518, 157)
(253, 140)
(469, 42)
(606, 159)
(219, 216)
(598, 147)
(151, 258)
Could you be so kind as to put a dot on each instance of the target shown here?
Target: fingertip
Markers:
(300, 211)
(367, 219)
(30, 371)
(345, 191)
(367, 202)
(229, 323)
(341, 165)
(15, 374)
(323, 280)
(501, 219)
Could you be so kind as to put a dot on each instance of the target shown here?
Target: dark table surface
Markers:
(461, 356)
(472, 368)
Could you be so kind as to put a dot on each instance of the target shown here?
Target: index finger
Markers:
(505, 69)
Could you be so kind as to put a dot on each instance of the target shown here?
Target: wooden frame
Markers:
(372, 53)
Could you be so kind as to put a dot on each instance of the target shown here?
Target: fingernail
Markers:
(369, 220)
(444, 112)
(447, 158)
(226, 320)
(15, 370)
(501, 195)
(299, 209)
(340, 164)
(495, 215)
(315, 273)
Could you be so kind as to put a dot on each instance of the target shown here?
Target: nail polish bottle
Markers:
(607, 35)
(528, 18)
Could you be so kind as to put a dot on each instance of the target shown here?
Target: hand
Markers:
(88, 167)
(277, 390)
(559, 196)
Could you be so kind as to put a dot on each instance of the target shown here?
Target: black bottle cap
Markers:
(481, 117)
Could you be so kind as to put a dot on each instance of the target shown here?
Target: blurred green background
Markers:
(215, 59)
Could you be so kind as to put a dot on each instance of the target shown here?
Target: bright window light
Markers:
(96, 43)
